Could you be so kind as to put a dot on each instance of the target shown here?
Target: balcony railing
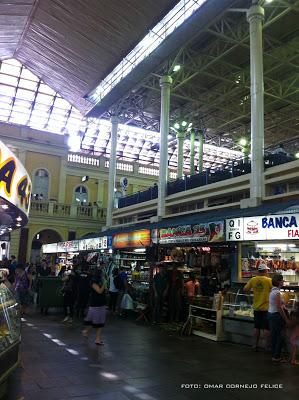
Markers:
(51, 208)
(233, 169)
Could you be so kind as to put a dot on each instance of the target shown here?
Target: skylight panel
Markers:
(25, 94)
(42, 107)
(5, 106)
(19, 118)
(10, 69)
(21, 109)
(8, 80)
(12, 61)
(61, 103)
(4, 112)
(44, 99)
(25, 84)
(28, 75)
(7, 90)
(43, 88)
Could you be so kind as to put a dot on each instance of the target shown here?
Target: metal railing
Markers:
(231, 170)
(52, 208)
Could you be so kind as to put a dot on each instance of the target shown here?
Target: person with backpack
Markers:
(115, 285)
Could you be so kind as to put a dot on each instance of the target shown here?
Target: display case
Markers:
(238, 305)
(206, 316)
(10, 327)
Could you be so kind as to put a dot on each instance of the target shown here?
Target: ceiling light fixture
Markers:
(176, 68)
(4, 206)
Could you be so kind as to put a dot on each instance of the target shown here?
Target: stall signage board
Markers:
(49, 248)
(69, 246)
(212, 232)
(93, 243)
(270, 227)
(15, 183)
(141, 238)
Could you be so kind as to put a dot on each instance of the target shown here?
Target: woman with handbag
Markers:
(96, 315)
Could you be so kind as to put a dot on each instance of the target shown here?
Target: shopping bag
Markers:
(127, 302)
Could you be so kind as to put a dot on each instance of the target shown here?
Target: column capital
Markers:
(165, 80)
(181, 134)
(114, 119)
(255, 12)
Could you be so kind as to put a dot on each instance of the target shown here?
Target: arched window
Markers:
(41, 183)
(81, 195)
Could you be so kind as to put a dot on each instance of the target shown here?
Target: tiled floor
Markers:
(138, 363)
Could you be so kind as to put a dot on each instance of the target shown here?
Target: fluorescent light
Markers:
(141, 250)
(176, 68)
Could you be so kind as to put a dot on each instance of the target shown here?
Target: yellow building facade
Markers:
(63, 206)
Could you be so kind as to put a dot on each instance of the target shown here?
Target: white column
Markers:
(22, 156)
(192, 140)
(200, 152)
(112, 170)
(62, 182)
(165, 84)
(100, 193)
(181, 138)
(255, 17)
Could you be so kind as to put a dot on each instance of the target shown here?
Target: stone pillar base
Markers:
(251, 202)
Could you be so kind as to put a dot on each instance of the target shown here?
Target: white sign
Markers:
(93, 243)
(234, 229)
(50, 248)
(66, 247)
(270, 227)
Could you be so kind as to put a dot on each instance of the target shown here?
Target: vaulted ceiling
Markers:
(73, 44)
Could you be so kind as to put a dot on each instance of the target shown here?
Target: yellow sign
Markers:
(15, 189)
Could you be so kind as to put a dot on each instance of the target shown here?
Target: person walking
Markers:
(83, 290)
(160, 289)
(69, 296)
(277, 317)
(12, 269)
(115, 285)
(22, 288)
(261, 286)
(96, 315)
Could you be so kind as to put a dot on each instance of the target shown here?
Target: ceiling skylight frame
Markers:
(173, 20)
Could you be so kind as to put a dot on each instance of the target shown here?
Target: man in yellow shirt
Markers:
(261, 286)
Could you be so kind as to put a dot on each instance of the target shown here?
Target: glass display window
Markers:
(10, 322)
(279, 257)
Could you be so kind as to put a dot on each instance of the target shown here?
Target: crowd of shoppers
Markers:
(88, 292)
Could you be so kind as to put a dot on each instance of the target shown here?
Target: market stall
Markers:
(198, 264)
(273, 240)
(131, 254)
(15, 191)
